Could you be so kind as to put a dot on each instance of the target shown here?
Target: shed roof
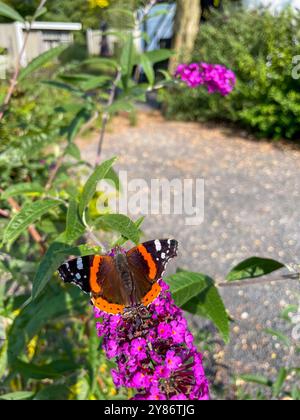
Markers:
(54, 26)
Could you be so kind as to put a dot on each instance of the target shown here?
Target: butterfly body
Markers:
(125, 280)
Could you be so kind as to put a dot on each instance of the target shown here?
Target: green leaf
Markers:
(167, 76)
(17, 396)
(54, 257)
(48, 371)
(148, 69)
(78, 121)
(138, 223)
(254, 267)
(108, 63)
(94, 82)
(280, 336)
(21, 189)
(63, 86)
(280, 380)
(74, 151)
(127, 60)
(10, 13)
(53, 393)
(158, 55)
(257, 379)
(74, 226)
(209, 304)
(41, 60)
(52, 305)
(91, 185)
(185, 286)
(40, 12)
(26, 217)
(94, 360)
(123, 225)
(114, 178)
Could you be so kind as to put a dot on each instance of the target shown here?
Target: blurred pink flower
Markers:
(215, 77)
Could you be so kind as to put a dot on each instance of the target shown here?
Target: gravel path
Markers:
(252, 202)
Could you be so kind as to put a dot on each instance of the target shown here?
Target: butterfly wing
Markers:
(147, 263)
(98, 276)
(77, 272)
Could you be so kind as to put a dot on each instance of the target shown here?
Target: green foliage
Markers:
(49, 348)
(8, 12)
(259, 47)
(254, 267)
(26, 217)
(197, 294)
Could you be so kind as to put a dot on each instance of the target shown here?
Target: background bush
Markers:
(259, 48)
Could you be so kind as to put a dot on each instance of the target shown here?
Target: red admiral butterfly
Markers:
(125, 280)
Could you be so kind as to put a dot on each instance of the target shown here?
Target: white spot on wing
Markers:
(79, 264)
(158, 246)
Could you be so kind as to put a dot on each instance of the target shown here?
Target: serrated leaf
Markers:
(29, 214)
(21, 189)
(185, 286)
(254, 267)
(209, 304)
(10, 13)
(91, 185)
(17, 396)
(41, 61)
(123, 225)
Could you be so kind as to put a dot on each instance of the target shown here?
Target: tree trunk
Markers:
(186, 28)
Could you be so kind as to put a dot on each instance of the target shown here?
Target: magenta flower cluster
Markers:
(215, 77)
(154, 352)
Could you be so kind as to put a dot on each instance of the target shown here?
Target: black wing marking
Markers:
(77, 272)
(162, 251)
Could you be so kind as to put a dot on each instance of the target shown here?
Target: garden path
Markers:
(252, 201)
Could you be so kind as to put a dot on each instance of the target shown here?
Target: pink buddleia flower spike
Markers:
(154, 352)
(215, 77)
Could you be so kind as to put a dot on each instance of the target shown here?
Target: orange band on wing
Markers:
(152, 295)
(107, 307)
(148, 258)
(95, 287)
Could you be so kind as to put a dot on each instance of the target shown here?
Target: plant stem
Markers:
(105, 116)
(252, 282)
(14, 80)
(53, 172)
